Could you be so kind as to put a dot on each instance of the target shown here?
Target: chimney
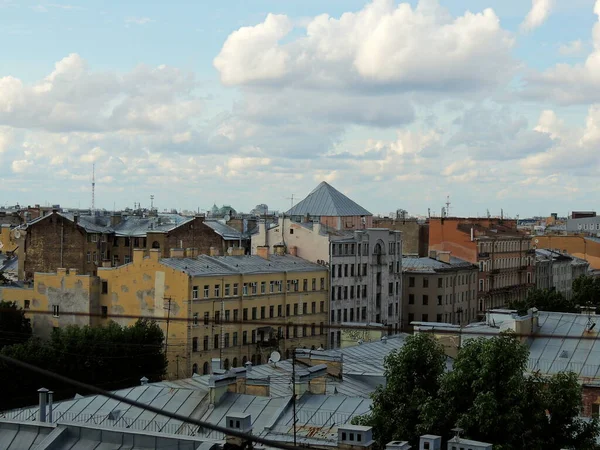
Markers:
(73, 271)
(294, 250)
(430, 442)
(444, 257)
(154, 254)
(262, 251)
(143, 381)
(334, 363)
(177, 253)
(215, 365)
(43, 395)
(106, 263)
(398, 445)
(236, 251)
(191, 252)
(248, 366)
(241, 422)
(76, 218)
(279, 250)
(138, 255)
(115, 219)
(472, 235)
(50, 399)
(355, 437)
(433, 254)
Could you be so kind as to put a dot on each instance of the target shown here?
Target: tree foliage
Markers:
(111, 357)
(545, 300)
(586, 290)
(15, 328)
(488, 394)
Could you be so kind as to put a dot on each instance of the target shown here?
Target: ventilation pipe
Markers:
(43, 393)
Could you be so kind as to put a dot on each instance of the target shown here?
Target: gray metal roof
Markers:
(325, 200)
(205, 265)
(225, 231)
(431, 265)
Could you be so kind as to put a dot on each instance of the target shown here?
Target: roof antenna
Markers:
(447, 205)
(93, 187)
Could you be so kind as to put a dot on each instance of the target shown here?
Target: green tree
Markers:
(14, 326)
(111, 357)
(545, 300)
(586, 290)
(413, 375)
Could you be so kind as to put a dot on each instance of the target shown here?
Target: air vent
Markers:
(564, 354)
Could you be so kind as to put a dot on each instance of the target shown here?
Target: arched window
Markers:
(205, 368)
(234, 362)
(259, 359)
(287, 354)
(226, 364)
(253, 360)
(195, 368)
(244, 361)
(155, 244)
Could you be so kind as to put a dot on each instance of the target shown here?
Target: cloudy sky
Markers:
(495, 103)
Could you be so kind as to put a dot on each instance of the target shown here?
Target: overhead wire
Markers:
(150, 408)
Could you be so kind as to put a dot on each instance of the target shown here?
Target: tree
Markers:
(413, 375)
(488, 394)
(545, 300)
(15, 328)
(111, 357)
(586, 290)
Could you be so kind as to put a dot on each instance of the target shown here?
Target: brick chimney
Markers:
(262, 251)
(177, 253)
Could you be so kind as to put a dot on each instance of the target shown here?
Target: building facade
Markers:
(415, 233)
(85, 243)
(505, 256)
(439, 288)
(557, 271)
(234, 308)
(366, 279)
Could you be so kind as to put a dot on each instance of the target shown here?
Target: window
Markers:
(245, 314)
(126, 260)
(411, 299)
(227, 315)
(217, 290)
(95, 257)
(305, 285)
(216, 341)
(279, 310)
(411, 317)
(254, 310)
(314, 284)
(287, 310)
(206, 290)
(194, 292)
(440, 282)
(235, 289)
(89, 257)
(345, 270)
(227, 290)
(244, 337)
(595, 409)
(289, 285)
(262, 312)
(217, 317)
(322, 306)
(424, 318)
(391, 289)
(321, 328)
(425, 282)
(263, 287)
(235, 338)
(195, 344)
(205, 343)
(279, 286)
(254, 287)
(322, 283)
(56, 310)
(271, 311)
(304, 308)
(480, 285)
(426, 300)
(245, 289)
(439, 299)
(439, 318)
(295, 309)
(206, 318)
(235, 315)
(364, 268)
(104, 287)
(411, 281)
(271, 287)
(26, 304)
(226, 343)
(254, 336)
(314, 307)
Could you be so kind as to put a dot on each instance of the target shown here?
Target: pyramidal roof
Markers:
(325, 200)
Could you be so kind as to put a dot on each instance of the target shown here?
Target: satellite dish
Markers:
(275, 357)
(17, 234)
(227, 217)
(536, 241)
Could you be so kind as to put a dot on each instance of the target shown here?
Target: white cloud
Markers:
(540, 11)
(378, 47)
(139, 20)
(573, 48)
(21, 166)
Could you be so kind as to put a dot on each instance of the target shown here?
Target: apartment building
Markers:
(366, 279)
(234, 308)
(415, 233)
(555, 270)
(59, 240)
(504, 255)
(438, 288)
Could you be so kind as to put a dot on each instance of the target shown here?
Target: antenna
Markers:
(93, 186)
(447, 205)
(151, 202)
(291, 200)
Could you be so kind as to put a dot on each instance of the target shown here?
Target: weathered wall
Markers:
(415, 237)
(444, 235)
(576, 245)
(348, 223)
(195, 234)
(7, 243)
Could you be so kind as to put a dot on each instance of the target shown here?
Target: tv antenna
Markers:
(93, 186)
(447, 205)
(151, 202)
(291, 199)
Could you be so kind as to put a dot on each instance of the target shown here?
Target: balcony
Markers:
(494, 271)
(531, 251)
(484, 254)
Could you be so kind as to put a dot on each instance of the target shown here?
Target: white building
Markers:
(556, 270)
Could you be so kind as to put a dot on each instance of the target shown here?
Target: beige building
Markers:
(440, 288)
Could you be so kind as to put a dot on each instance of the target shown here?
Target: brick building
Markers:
(415, 233)
(504, 255)
(64, 240)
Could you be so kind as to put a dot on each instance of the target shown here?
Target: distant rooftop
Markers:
(432, 265)
(325, 200)
(205, 265)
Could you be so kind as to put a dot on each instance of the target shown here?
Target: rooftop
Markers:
(432, 265)
(325, 200)
(205, 265)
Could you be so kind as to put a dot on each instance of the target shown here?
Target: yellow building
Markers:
(56, 300)
(7, 242)
(229, 308)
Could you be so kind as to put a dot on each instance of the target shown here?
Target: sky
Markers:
(494, 103)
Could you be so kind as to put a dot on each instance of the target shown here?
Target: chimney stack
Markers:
(143, 381)
(177, 253)
(431, 442)
(50, 399)
(355, 437)
(263, 252)
(397, 445)
(241, 422)
(43, 395)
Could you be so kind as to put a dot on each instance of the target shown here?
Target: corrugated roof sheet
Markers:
(231, 265)
(325, 200)
(224, 230)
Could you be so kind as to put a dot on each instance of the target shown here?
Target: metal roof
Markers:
(432, 265)
(225, 231)
(325, 200)
(205, 265)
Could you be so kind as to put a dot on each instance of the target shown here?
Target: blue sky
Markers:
(397, 104)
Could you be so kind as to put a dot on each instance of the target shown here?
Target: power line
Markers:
(153, 409)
